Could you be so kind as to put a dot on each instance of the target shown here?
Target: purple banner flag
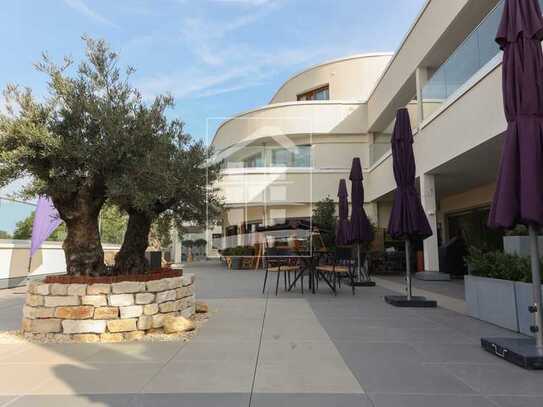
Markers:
(46, 220)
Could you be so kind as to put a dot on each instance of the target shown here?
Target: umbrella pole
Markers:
(536, 282)
(408, 268)
(358, 269)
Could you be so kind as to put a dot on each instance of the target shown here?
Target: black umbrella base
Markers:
(414, 302)
(520, 351)
(366, 283)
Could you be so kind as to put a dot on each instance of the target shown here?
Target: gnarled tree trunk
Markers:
(82, 246)
(131, 258)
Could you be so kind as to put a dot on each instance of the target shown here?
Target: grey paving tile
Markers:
(466, 325)
(453, 353)
(500, 379)
(517, 401)
(406, 321)
(19, 379)
(287, 377)
(303, 352)
(397, 368)
(220, 351)
(224, 332)
(354, 329)
(50, 353)
(310, 400)
(6, 399)
(203, 377)
(428, 400)
(90, 400)
(357, 353)
(98, 379)
(143, 352)
(192, 400)
(294, 329)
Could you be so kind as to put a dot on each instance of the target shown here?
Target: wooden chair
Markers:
(279, 262)
(340, 264)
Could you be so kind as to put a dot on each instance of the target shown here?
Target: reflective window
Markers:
(300, 156)
(269, 156)
(322, 93)
(475, 52)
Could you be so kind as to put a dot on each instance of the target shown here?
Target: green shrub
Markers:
(499, 265)
(238, 251)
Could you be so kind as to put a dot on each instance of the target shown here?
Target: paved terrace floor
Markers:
(267, 351)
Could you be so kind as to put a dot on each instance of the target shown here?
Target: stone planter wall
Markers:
(106, 312)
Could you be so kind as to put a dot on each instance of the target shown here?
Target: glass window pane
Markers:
(488, 48)
(462, 65)
(280, 158)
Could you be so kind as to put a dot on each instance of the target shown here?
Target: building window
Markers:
(322, 93)
(253, 161)
(299, 156)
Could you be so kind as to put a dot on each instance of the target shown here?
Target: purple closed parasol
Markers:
(407, 219)
(343, 228)
(519, 188)
(361, 230)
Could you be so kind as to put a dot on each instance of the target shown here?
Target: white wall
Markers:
(49, 259)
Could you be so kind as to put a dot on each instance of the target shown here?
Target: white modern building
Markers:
(281, 158)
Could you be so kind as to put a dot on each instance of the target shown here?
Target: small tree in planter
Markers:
(70, 144)
(200, 244)
(324, 217)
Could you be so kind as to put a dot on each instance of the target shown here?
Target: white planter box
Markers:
(492, 300)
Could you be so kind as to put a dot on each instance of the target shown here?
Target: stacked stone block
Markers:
(106, 312)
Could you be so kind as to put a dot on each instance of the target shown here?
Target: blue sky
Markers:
(217, 57)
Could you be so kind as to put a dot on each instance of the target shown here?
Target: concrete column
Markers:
(428, 198)
(372, 210)
(421, 76)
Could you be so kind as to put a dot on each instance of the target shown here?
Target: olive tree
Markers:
(173, 182)
(70, 143)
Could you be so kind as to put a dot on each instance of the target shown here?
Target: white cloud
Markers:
(81, 7)
(224, 63)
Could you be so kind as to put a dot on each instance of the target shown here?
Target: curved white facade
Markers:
(281, 158)
(350, 78)
(447, 72)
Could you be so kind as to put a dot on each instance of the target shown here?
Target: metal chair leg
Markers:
(265, 280)
(277, 283)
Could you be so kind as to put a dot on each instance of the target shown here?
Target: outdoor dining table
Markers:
(309, 260)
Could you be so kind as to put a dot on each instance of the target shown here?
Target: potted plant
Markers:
(235, 256)
(498, 290)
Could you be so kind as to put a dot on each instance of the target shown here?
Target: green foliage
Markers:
(200, 242)
(499, 265)
(519, 230)
(4, 235)
(23, 230)
(112, 224)
(239, 251)
(94, 139)
(188, 243)
(162, 230)
(112, 227)
(324, 217)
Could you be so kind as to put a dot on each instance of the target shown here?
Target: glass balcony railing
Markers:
(475, 52)
(270, 157)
